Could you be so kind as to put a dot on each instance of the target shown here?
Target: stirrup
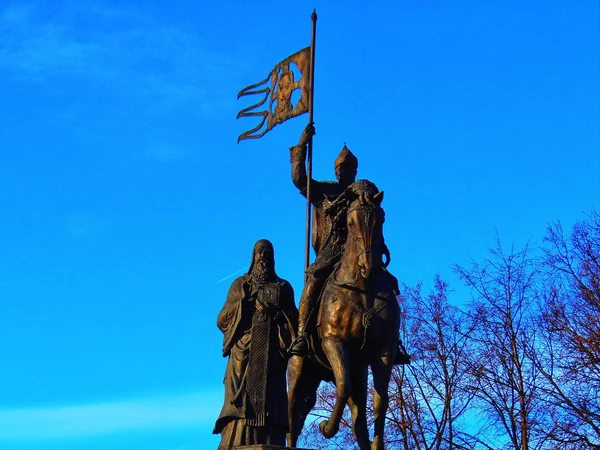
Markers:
(402, 357)
(299, 346)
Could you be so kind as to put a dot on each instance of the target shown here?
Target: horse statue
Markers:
(356, 328)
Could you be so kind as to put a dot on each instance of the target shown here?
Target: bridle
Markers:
(368, 210)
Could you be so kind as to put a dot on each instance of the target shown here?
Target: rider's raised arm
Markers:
(298, 160)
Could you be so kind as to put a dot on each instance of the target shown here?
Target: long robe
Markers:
(255, 406)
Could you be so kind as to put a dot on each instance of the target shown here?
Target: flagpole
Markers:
(310, 142)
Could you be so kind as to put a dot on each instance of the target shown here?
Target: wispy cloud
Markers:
(35, 48)
(160, 413)
(118, 47)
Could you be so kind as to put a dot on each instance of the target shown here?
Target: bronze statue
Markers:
(358, 321)
(349, 315)
(328, 231)
(258, 320)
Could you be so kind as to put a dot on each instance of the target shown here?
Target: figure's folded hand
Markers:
(267, 308)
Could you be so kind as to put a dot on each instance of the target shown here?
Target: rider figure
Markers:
(328, 232)
(327, 238)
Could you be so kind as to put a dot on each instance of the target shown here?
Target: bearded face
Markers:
(284, 91)
(263, 268)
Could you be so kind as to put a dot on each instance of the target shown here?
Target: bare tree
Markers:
(569, 351)
(522, 363)
(430, 394)
(504, 380)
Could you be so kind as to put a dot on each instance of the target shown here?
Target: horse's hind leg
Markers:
(302, 396)
(358, 408)
(294, 398)
(338, 358)
(382, 370)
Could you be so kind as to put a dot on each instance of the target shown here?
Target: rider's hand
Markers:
(307, 134)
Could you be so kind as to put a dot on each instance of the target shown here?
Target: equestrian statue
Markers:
(349, 316)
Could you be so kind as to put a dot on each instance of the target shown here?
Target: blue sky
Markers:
(128, 207)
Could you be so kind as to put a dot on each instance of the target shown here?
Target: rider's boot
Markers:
(402, 356)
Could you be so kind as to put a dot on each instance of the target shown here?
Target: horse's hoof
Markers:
(322, 427)
(326, 430)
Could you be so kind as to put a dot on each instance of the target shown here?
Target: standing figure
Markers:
(327, 238)
(257, 321)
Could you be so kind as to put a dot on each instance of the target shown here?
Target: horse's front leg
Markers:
(294, 399)
(339, 359)
(358, 406)
(382, 370)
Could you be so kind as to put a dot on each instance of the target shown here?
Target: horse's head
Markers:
(364, 221)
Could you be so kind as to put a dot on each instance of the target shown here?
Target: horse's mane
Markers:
(362, 190)
(364, 187)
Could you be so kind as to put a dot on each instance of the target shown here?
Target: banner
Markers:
(277, 91)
